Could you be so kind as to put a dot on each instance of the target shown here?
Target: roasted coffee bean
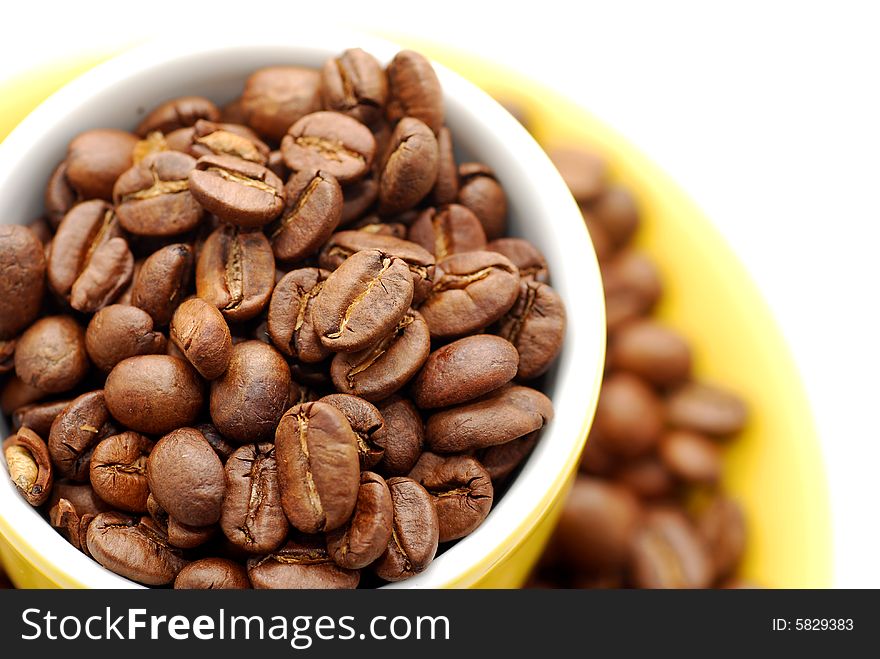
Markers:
(75, 433)
(51, 354)
(629, 417)
(693, 458)
(300, 565)
(364, 538)
(153, 197)
(722, 527)
(134, 548)
(7, 356)
(332, 142)
(373, 224)
(15, 393)
(118, 332)
(290, 320)
(367, 424)
(651, 351)
(583, 172)
(312, 212)
(358, 197)
(464, 370)
(118, 471)
(480, 192)
(414, 90)
(617, 212)
(355, 84)
(212, 574)
(42, 230)
(248, 400)
(162, 282)
(415, 531)
(184, 536)
(362, 301)
(29, 465)
(153, 143)
(498, 417)
(446, 186)
(668, 553)
(646, 477)
(599, 238)
(244, 193)
(23, 265)
(38, 416)
(81, 496)
(177, 113)
(702, 408)
(154, 393)
(535, 325)
(201, 333)
(276, 97)
(462, 491)
(59, 196)
(448, 230)
(403, 438)
(632, 287)
(410, 167)
(471, 291)
(187, 477)
(252, 517)
(235, 272)
(501, 460)
(221, 447)
(525, 256)
(208, 138)
(317, 467)
(64, 518)
(96, 158)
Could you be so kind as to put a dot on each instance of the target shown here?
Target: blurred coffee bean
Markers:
(707, 409)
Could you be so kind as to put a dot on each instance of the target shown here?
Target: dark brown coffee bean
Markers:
(446, 186)
(358, 197)
(583, 172)
(702, 408)
(364, 538)
(355, 84)
(617, 212)
(118, 471)
(362, 301)
(317, 467)
(154, 393)
(221, 447)
(248, 400)
(367, 424)
(29, 465)
(332, 142)
(464, 370)
(162, 282)
(535, 325)
(448, 230)
(414, 90)
(471, 291)
(75, 433)
(153, 198)
(38, 416)
(646, 477)
(208, 138)
(118, 332)
(252, 517)
(177, 113)
(276, 97)
(403, 438)
(81, 496)
(59, 196)
(238, 191)
(290, 319)
(462, 492)
(693, 458)
(212, 574)
(668, 553)
(134, 548)
(235, 272)
(480, 192)
(415, 533)
(184, 536)
(629, 417)
(410, 167)
(96, 158)
(501, 460)
(23, 265)
(7, 356)
(51, 354)
(201, 333)
(525, 256)
(312, 212)
(300, 565)
(632, 287)
(187, 477)
(651, 351)
(722, 527)
(498, 417)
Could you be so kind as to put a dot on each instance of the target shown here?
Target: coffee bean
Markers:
(38, 416)
(501, 460)
(248, 400)
(317, 467)
(184, 536)
(668, 553)
(481, 193)
(403, 437)
(364, 538)
(201, 333)
(535, 325)
(153, 197)
(410, 167)
(651, 351)
(134, 548)
(464, 370)
(118, 471)
(162, 282)
(29, 465)
(583, 172)
(448, 230)
(212, 574)
(23, 265)
(290, 320)
(15, 393)
(362, 301)
(7, 356)
(276, 97)
(235, 272)
(702, 408)
(414, 90)
(629, 417)
(208, 138)
(154, 142)
(647, 477)
(358, 197)
(81, 496)
(691, 457)
(722, 527)
(221, 447)
(75, 433)
(632, 287)
(51, 354)
(525, 256)
(617, 212)
(354, 84)
(154, 394)
(59, 196)
(415, 531)
(332, 142)
(312, 212)
(64, 518)
(118, 332)
(238, 191)
(95, 159)
(178, 113)
(300, 565)
(367, 424)
(446, 186)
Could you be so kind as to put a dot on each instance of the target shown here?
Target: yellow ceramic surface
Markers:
(774, 469)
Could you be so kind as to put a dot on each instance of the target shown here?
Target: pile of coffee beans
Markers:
(284, 343)
(647, 509)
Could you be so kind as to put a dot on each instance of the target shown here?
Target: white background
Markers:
(766, 113)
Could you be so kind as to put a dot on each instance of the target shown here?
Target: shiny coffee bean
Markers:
(704, 409)
(403, 438)
(29, 465)
(525, 256)
(651, 351)
(276, 97)
(722, 527)
(177, 113)
(446, 186)
(415, 535)
(667, 552)
(118, 471)
(312, 212)
(448, 230)
(583, 172)
(75, 433)
(290, 319)
(51, 354)
(199, 330)
(480, 192)
(535, 325)
(208, 138)
(691, 457)
(59, 196)
(629, 417)
(331, 142)
(300, 565)
(162, 282)
(410, 167)
(23, 265)
(118, 332)
(212, 574)
(414, 90)
(364, 538)
(355, 84)
(96, 158)
(501, 460)
(367, 424)
(238, 191)
(38, 416)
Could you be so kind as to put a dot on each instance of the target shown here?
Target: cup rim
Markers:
(578, 380)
